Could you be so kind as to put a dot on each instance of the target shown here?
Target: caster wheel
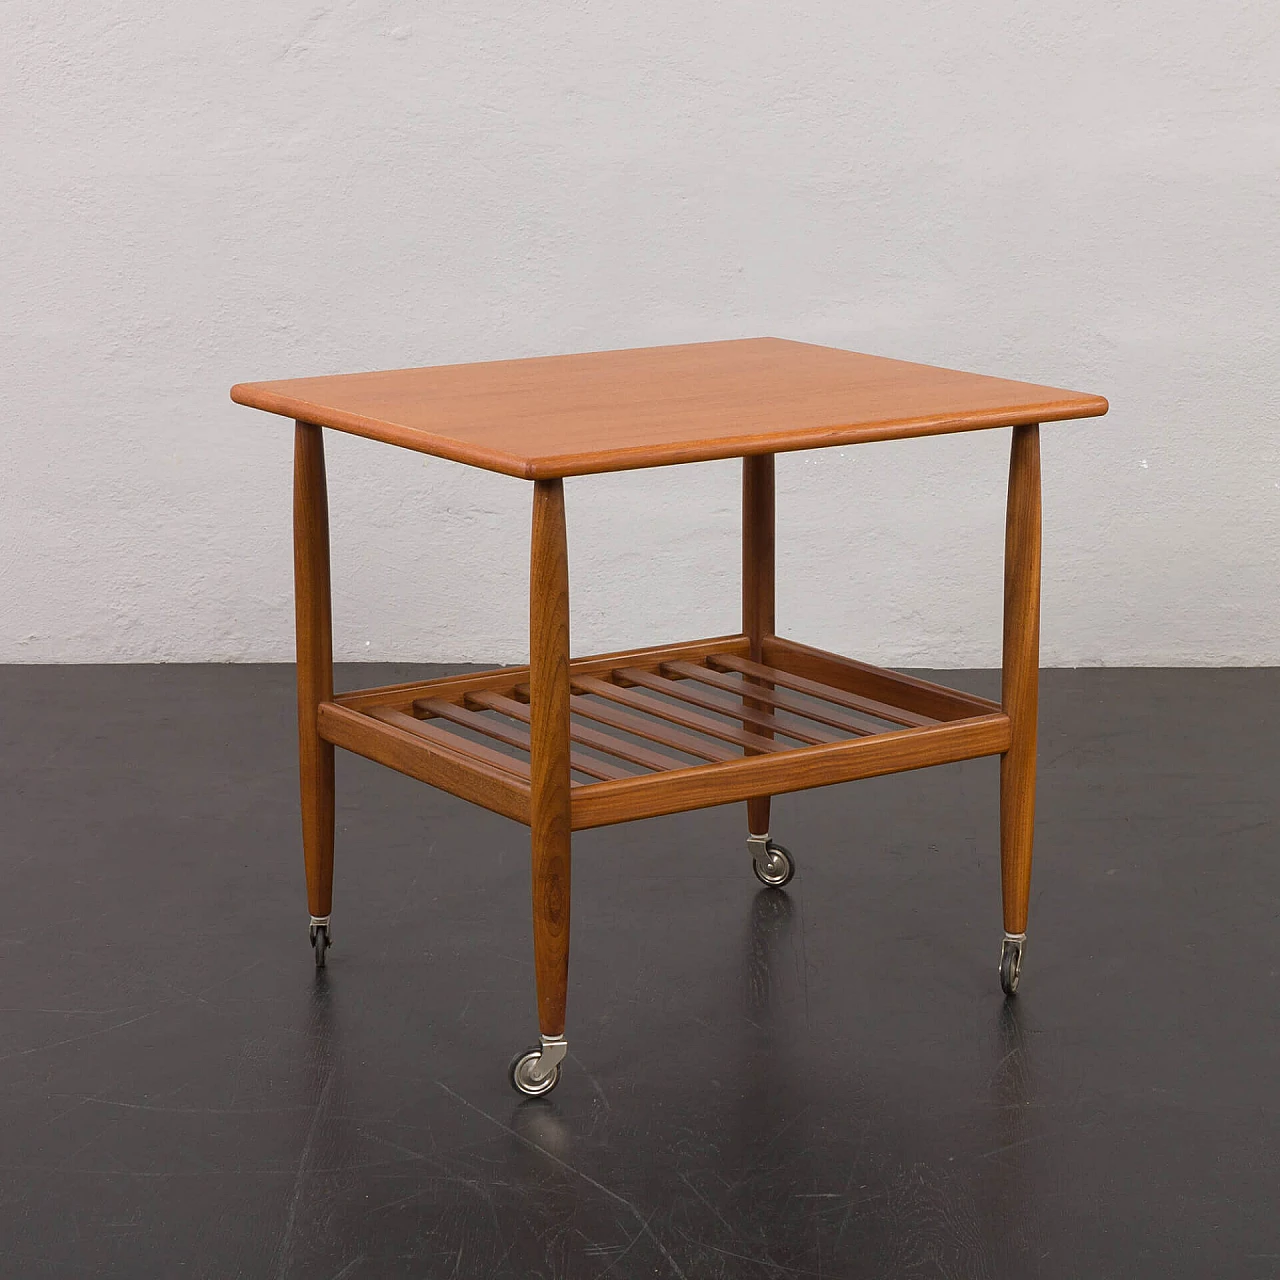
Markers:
(1010, 966)
(778, 870)
(320, 943)
(520, 1073)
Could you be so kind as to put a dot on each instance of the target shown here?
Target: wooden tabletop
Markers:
(653, 406)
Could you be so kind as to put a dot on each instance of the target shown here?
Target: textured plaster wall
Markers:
(1082, 193)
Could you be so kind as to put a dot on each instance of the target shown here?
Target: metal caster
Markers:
(773, 864)
(536, 1070)
(1011, 962)
(320, 942)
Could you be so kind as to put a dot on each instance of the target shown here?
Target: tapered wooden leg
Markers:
(315, 661)
(549, 753)
(757, 587)
(1021, 670)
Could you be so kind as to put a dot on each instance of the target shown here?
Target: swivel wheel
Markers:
(320, 942)
(774, 866)
(536, 1070)
(1011, 964)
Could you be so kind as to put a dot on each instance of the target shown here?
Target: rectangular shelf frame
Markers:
(703, 726)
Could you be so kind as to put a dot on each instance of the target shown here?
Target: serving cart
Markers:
(570, 743)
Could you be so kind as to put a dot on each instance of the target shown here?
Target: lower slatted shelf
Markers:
(669, 728)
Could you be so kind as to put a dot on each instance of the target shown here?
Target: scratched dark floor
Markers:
(821, 1083)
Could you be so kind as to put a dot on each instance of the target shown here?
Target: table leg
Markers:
(315, 672)
(774, 865)
(1019, 693)
(537, 1070)
(757, 586)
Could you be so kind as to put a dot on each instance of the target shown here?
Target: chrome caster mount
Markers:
(320, 941)
(773, 864)
(1011, 962)
(536, 1070)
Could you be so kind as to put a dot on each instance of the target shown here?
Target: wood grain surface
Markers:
(615, 410)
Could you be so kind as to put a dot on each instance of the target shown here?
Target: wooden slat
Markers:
(514, 735)
(851, 726)
(602, 803)
(816, 689)
(677, 715)
(589, 737)
(429, 762)
(935, 701)
(401, 697)
(654, 731)
(722, 706)
(451, 742)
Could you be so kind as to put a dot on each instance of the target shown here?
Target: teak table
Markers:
(568, 743)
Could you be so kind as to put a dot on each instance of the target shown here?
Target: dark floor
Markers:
(825, 1082)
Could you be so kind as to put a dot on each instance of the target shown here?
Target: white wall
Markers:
(1081, 193)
